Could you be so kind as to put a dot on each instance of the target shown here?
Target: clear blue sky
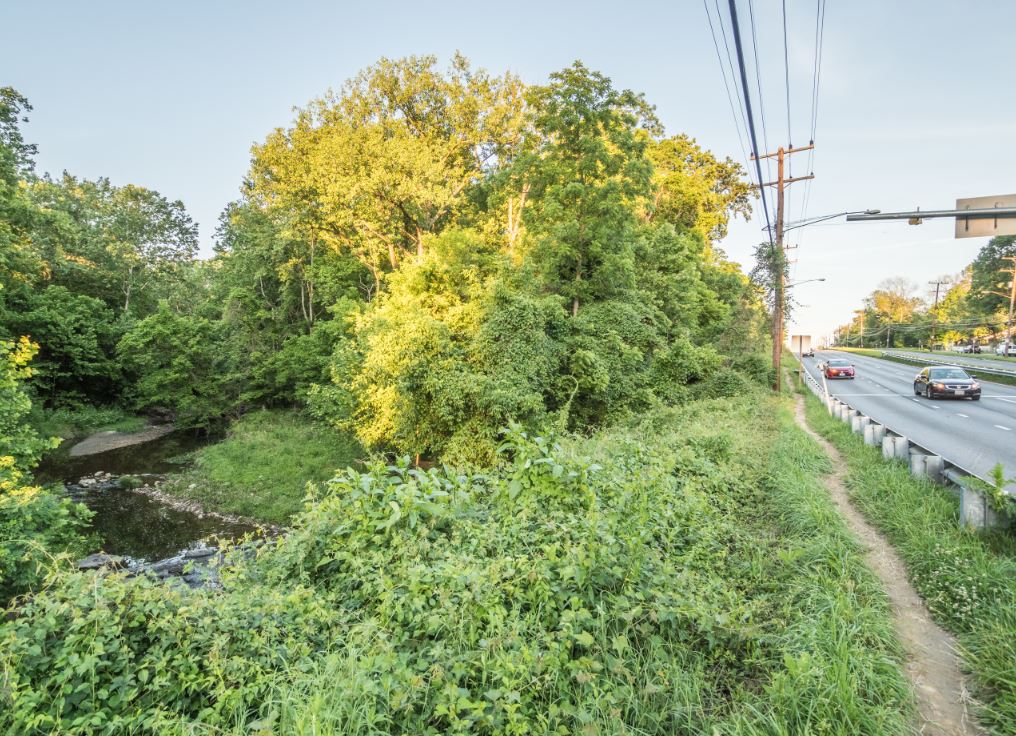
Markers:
(917, 108)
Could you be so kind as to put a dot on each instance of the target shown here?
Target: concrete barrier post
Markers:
(878, 430)
(869, 435)
(917, 465)
(901, 448)
(975, 511)
(933, 467)
(888, 448)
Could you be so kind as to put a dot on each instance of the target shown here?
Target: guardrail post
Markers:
(888, 449)
(878, 432)
(917, 465)
(901, 448)
(933, 467)
(975, 511)
(869, 435)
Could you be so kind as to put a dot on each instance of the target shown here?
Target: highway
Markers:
(971, 434)
(973, 361)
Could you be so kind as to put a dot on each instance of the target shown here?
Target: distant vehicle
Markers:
(838, 368)
(1006, 349)
(946, 381)
(801, 344)
(966, 348)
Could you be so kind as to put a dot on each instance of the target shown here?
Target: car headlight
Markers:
(938, 385)
(975, 384)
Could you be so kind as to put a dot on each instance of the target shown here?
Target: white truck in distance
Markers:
(801, 344)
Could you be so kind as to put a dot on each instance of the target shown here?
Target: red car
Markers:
(838, 368)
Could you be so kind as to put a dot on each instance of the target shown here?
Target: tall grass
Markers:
(967, 579)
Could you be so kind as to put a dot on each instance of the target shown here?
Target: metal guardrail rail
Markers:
(974, 507)
(979, 367)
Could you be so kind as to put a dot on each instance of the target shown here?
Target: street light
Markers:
(798, 283)
(822, 218)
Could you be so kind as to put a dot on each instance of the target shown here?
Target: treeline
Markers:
(972, 307)
(421, 258)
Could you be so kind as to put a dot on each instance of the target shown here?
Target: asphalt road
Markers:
(972, 361)
(971, 434)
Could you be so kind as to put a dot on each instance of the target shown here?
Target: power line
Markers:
(726, 85)
(786, 74)
(751, 120)
(758, 82)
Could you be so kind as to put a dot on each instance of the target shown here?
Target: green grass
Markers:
(967, 579)
(678, 575)
(262, 467)
(84, 420)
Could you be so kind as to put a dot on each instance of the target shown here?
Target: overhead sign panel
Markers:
(979, 227)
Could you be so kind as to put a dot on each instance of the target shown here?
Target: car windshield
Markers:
(839, 363)
(948, 373)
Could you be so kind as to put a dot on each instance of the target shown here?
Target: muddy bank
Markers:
(106, 441)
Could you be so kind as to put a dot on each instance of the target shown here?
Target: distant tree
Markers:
(989, 285)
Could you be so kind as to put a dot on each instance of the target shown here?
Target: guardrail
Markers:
(975, 511)
(979, 367)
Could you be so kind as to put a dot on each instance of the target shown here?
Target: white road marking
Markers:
(916, 400)
(963, 415)
(1011, 401)
(935, 407)
(1005, 428)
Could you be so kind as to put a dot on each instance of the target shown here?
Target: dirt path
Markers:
(103, 441)
(932, 663)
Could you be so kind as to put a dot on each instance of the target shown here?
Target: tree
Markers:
(78, 339)
(17, 158)
(374, 170)
(989, 284)
(589, 173)
(177, 364)
(694, 190)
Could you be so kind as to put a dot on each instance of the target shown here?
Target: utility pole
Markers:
(779, 285)
(934, 315)
(1012, 301)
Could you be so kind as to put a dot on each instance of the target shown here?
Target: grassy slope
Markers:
(968, 580)
(262, 468)
(700, 582)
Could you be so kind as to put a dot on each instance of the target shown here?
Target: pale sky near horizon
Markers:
(917, 102)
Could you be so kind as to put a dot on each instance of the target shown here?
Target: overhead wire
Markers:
(750, 118)
(738, 125)
(816, 80)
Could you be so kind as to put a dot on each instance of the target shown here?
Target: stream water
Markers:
(129, 523)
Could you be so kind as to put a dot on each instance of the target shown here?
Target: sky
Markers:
(916, 106)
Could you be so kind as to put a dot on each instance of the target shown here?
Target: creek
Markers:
(126, 522)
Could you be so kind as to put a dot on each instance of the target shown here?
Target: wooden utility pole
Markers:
(1012, 302)
(779, 285)
(934, 316)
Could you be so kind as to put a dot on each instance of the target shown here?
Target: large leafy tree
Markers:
(376, 168)
(587, 176)
(119, 243)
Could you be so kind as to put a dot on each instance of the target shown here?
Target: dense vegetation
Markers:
(576, 512)
(973, 306)
(677, 575)
(419, 259)
(967, 580)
